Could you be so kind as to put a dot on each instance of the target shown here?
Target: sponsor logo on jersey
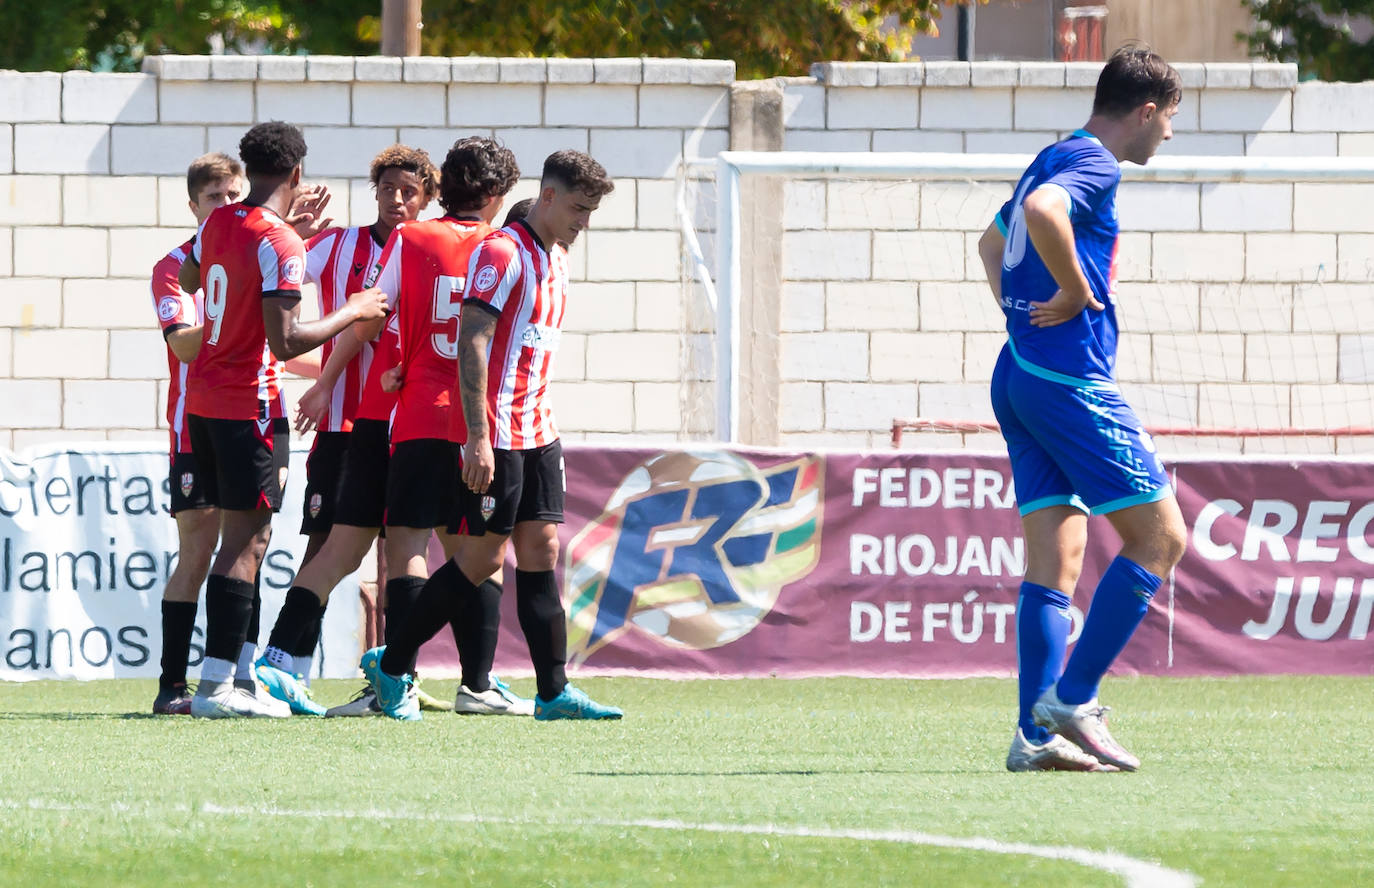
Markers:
(168, 307)
(316, 501)
(293, 270)
(692, 549)
(188, 483)
(486, 277)
(541, 337)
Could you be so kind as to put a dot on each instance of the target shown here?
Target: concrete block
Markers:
(872, 205)
(1158, 206)
(828, 441)
(1356, 144)
(63, 354)
(225, 139)
(1206, 144)
(801, 406)
(6, 353)
(959, 206)
(981, 351)
(918, 140)
(1186, 358)
(476, 69)
(397, 104)
(712, 72)
(61, 252)
(276, 67)
(1238, 405)
(916, 357)
(964, 109)
(1198, 257)
(657, 204)
(637, 153)
(633, 356)
(918, 256)
(804, 205)
(172, 201)
(531, 146)
(1287, 257)
(181, 67)
(1285, 358)
(106, 404)
(134, 251)
(426, 70)
(1040, 74)
(948, 74)
(108, 303)
(571, 363)
(233, 67)
(329, 68)
(305, 103)
(61, 148)
(571, 70)
(202, 103)
(632, 255)
(378, 69)
(1356, 257)
(498, 105)
(866, 406)
(658, 306)
(902, 74)
(31, 403)
(30, 200)
(994, 74)
(1192, 74)
(599, 307)
(1334, 107)
(827, 256)
(803, 106)
(108, 98)
(109, 200)
(1269, 75)
(705, 143)
(623, 70)
(951, 400)
(665, 71)
(1082, 74)
(1247, 111)
(1227, 75)
(31, 97)
(658, 406)
(617, 209)
(1050, 109)
(30, 302)
(594, 406)
(1247, 308)
(1158, 308)
(846, 73)
(520, 70)
(803, 307)
(1028, 143)
(157, 150)
(824, 356)
(6, 252)
(1338, 208)
(6, 148)
(823, 140)
(896, 107)
(871, 305)
(344, 151)
(684, 106)
(958, 307)
(1186, 119)
(1292, 145)
(47, 438)
(1134, 254)
(137, 354)
(594, 106)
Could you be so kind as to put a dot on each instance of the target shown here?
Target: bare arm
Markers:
(289, 336)
(1051, 233)
(185, 342)
(368, 331)
(314, 404)
(188, 278)
(307, 365)
(990, 247)
(474, 337)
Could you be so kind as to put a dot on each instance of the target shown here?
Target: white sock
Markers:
(303, 665)
(247, 654)
(213, 672)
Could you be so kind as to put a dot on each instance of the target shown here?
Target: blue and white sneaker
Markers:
(287, 688)
(498, 699)
(572, 703)
(395, 693)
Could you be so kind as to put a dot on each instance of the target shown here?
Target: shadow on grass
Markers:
(761, 772)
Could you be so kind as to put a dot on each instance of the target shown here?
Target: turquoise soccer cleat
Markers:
(572, 703)
(395, 693)
(284, 687)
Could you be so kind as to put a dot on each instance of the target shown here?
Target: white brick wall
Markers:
(61, 252)
(109, 200)
(62, 354)
(108, 98)
(30, 200)
(306, 103)
(61, 148)
(395, 104)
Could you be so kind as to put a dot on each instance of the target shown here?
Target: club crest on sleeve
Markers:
(486, 277)
(293, 270)
(168, 307)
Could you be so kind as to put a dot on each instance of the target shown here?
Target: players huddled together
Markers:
(406, 444)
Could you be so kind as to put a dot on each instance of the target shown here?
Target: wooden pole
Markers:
(401, 27)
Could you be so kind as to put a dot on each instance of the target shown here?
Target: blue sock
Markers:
(1119, 604)
(1042, 632)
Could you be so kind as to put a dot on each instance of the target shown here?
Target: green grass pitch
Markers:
(1246, 782)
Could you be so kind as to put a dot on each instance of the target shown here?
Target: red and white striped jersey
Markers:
(424, 268)
(337, 261)
(386, 353)
(175, 309)
(245, 253)
(516, 278)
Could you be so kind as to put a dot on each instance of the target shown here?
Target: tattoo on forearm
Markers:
(472, 369)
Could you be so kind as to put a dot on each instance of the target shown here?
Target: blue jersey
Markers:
(1086, 175)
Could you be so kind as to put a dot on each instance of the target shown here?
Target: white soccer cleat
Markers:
(1055, 754)
(235, 702)
(363, 704)
(499, 699)
(1084, 724)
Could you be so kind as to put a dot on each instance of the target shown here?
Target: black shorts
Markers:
(322, 470)
(187, 486)
(528, 486)
(241, 461)
(360, 500)
(420, 483)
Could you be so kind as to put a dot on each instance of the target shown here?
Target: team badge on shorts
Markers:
(188, 481)
(316, 501)
(488, 506)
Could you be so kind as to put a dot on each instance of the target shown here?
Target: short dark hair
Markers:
(272, 149)
(519, 210)
(1133, 76)
(475, 169)
(210, 168)
(576, 171)
(410, 160)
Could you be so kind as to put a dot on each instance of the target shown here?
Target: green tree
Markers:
(764, 37)
(1314, 34)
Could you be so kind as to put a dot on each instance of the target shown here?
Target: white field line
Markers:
(1136, 873)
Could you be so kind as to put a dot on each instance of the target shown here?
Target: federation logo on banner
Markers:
(693, 549)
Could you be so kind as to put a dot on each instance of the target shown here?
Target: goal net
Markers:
(838, 300)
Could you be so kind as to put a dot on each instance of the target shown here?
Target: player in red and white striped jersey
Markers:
(212, 181)
(250, 262)
(512, 464)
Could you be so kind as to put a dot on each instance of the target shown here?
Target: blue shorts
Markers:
(1073, 442)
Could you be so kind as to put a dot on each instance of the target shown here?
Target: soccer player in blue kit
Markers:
(1075, 446)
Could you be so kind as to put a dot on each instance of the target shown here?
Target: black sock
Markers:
(476, 625)
(178, 620)
(228, 609)
(255, 618)
(296, 614)
(310, 638)
(416, 609)
(546, 628)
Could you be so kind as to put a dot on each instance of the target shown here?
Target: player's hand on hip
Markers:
(392, 379)
(370, 304)
(1062, 307)
(479, 464)
(311, 408)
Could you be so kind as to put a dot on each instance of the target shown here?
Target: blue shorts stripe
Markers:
(1054, 376)
(1126, 502)
(1046, 502)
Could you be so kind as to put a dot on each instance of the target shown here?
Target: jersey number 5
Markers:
(216, 296)
(448, 290)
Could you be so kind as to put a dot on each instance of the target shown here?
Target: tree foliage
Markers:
(1315, 34)
(764, 37)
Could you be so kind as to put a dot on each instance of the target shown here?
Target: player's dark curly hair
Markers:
(410, 160)
(519, 210)
(1133, 76)
(475, 169)
(576, 171)
(272, 149)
